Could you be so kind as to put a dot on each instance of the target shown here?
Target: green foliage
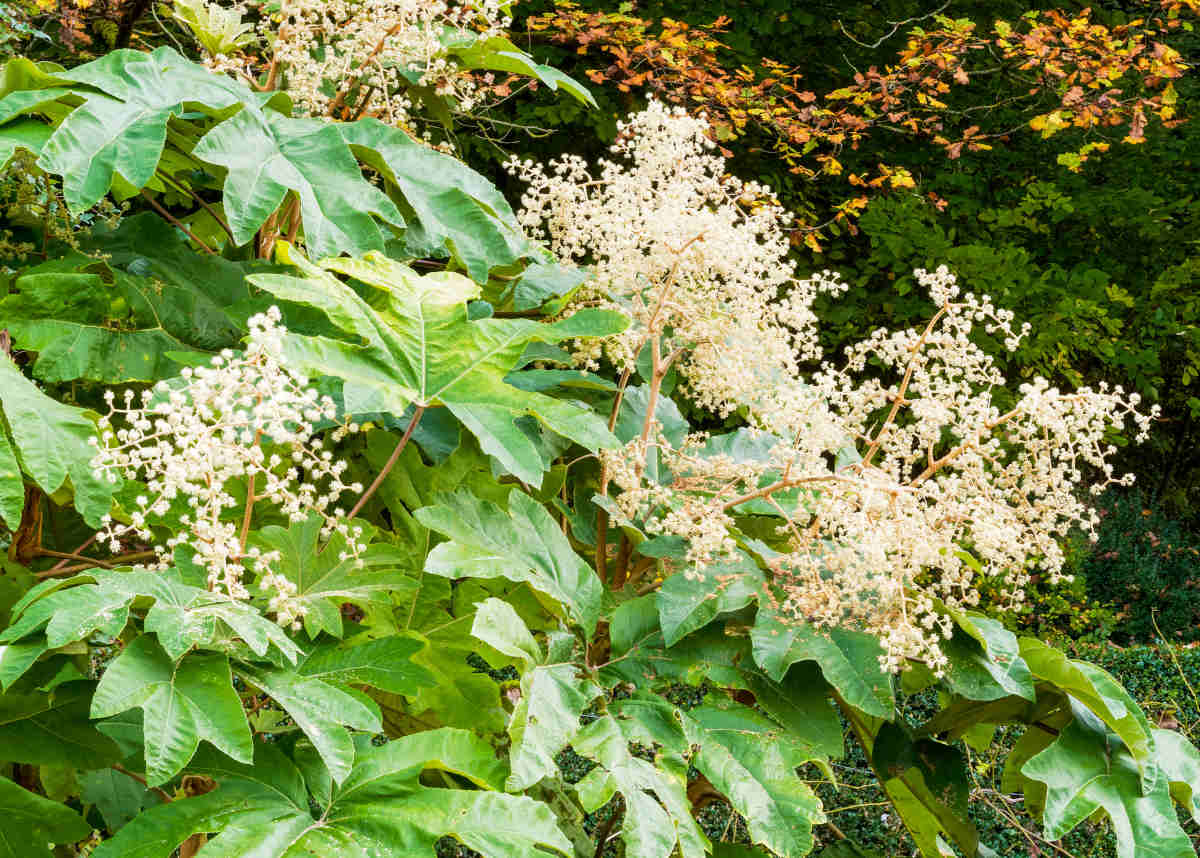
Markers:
(1145, 565)
(438, 678)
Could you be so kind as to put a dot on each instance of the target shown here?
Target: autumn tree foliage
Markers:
(1059, 70)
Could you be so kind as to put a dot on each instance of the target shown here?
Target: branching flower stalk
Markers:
(243, 420)
(897, 481)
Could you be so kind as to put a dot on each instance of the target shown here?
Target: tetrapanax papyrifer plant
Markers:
(401, 541)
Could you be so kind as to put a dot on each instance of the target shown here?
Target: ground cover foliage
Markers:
(403, 541)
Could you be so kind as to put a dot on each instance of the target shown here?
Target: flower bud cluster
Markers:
(897, 479)
(213, 443)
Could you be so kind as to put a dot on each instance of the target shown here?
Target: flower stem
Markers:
(391, 463)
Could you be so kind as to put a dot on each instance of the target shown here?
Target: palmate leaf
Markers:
(689, 601)
(497, 53)
(182, 616)
(53, 729)
(985, 660)
(381, 810)
(553, 696)
(385, 664)
(421, 347)
(325, 579)
(27, 134)
(61, 313)
(744, 755)
(121, 126)
(458, 208)
(753, 763)
(927, 783)
(31, 822)
(462, 696)
(849, 660)
(1102, 695)
(183, 703)
(1086, 770)
(50, 440)
(523, 544)
(12, 486)
(267, 154)
(117, 796)
(320, 710)
(657, 811)
(116, 316)
(111, 120)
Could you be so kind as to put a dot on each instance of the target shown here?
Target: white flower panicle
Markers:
(244, 420)
(898, 485)
(696, 259)
(384, 47)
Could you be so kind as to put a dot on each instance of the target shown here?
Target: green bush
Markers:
(1148, 568)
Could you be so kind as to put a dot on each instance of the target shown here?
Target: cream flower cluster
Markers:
(695, 258)
(897, 480)
(246, 421)
(384, 47)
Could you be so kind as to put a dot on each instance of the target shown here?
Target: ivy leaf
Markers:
(30, 822)
(690, 600)
(320, 710)
(523, 544)
(266, 155)
(849, 660)
(423, 348)
(1086, 771)
(326, 577)
(381, 806)
(51, 443)
(182, 702)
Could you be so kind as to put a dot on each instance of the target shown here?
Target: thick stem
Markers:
(391, 463)
(602, 515)
(620, 574)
